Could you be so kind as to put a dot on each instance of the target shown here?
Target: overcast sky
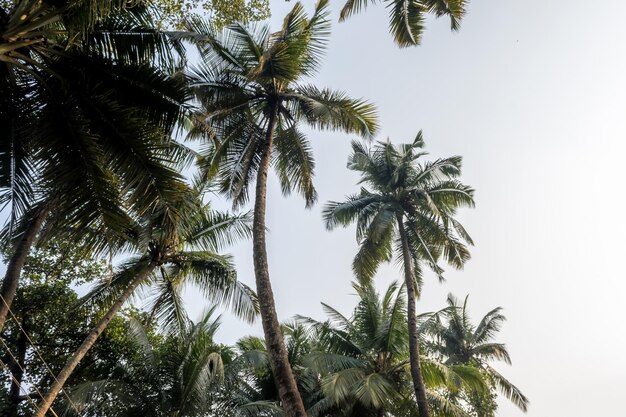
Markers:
(532, 94)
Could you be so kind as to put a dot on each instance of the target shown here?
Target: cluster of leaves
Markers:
(174, 13)
(345, 366)
(47, 326)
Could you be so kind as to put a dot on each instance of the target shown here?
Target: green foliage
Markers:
(406, 17)
(249, 87)
(161, 376)
(62, 263)
(89, 106)
(46, 308)
(363, 363)
(220, 12)
(179, 244)
(457, 341)
(426, 195)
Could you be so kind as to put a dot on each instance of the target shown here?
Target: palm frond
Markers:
(353, 7)
(374, 390)
(215, 277)
(294, 163)
(343, 213)
(333, 110)
(489, 325)
(406, 22)
(509, 390)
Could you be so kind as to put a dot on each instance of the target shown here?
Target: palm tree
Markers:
(87, 107)
(458, 341)
(414, 204)
(177, 246)
(252, 382)
(406, 17)
(362, 357)
(169, 374)
(363, 360)
(252, 104)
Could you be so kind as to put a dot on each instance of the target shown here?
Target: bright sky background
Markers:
(532, 94)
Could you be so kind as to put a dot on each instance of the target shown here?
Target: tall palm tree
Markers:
(253, 102)
(177, 246)
(406, 17)
(87, 108)
(458, 341)
(411, 203)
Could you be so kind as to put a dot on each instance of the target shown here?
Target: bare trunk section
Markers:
(281, 369)
(89, 341)
(17, 261)
(414, 347)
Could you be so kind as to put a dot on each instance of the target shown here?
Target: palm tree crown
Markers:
(427, 195)
(459, 341)
(250, 80)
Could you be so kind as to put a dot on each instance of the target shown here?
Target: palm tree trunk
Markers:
(17, 261)
(281, 369)
(414, 346)
(89, 341)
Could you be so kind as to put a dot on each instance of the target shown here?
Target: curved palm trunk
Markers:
(17, 261)
(286, 383)
(89, 341)
(414, 347)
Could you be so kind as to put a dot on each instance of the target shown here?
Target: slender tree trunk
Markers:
(17, 261)
(281, 369)
(89, 341)
(17, 370)
(414, 346)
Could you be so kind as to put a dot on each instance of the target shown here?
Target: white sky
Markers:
(532, 94)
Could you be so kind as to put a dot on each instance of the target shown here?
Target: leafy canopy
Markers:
(250, 90)
(398, 185)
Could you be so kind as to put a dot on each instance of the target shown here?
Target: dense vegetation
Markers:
(104, 199)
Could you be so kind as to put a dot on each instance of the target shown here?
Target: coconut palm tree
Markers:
(413, 204)
(364, 360)
(169, 374)
(252, 104)
(87, 108)
(458, 341)
(252, 380)
(406, 17)
(362, 357)
(176, 246)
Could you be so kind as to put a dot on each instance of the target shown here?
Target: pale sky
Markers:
(532, 94)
